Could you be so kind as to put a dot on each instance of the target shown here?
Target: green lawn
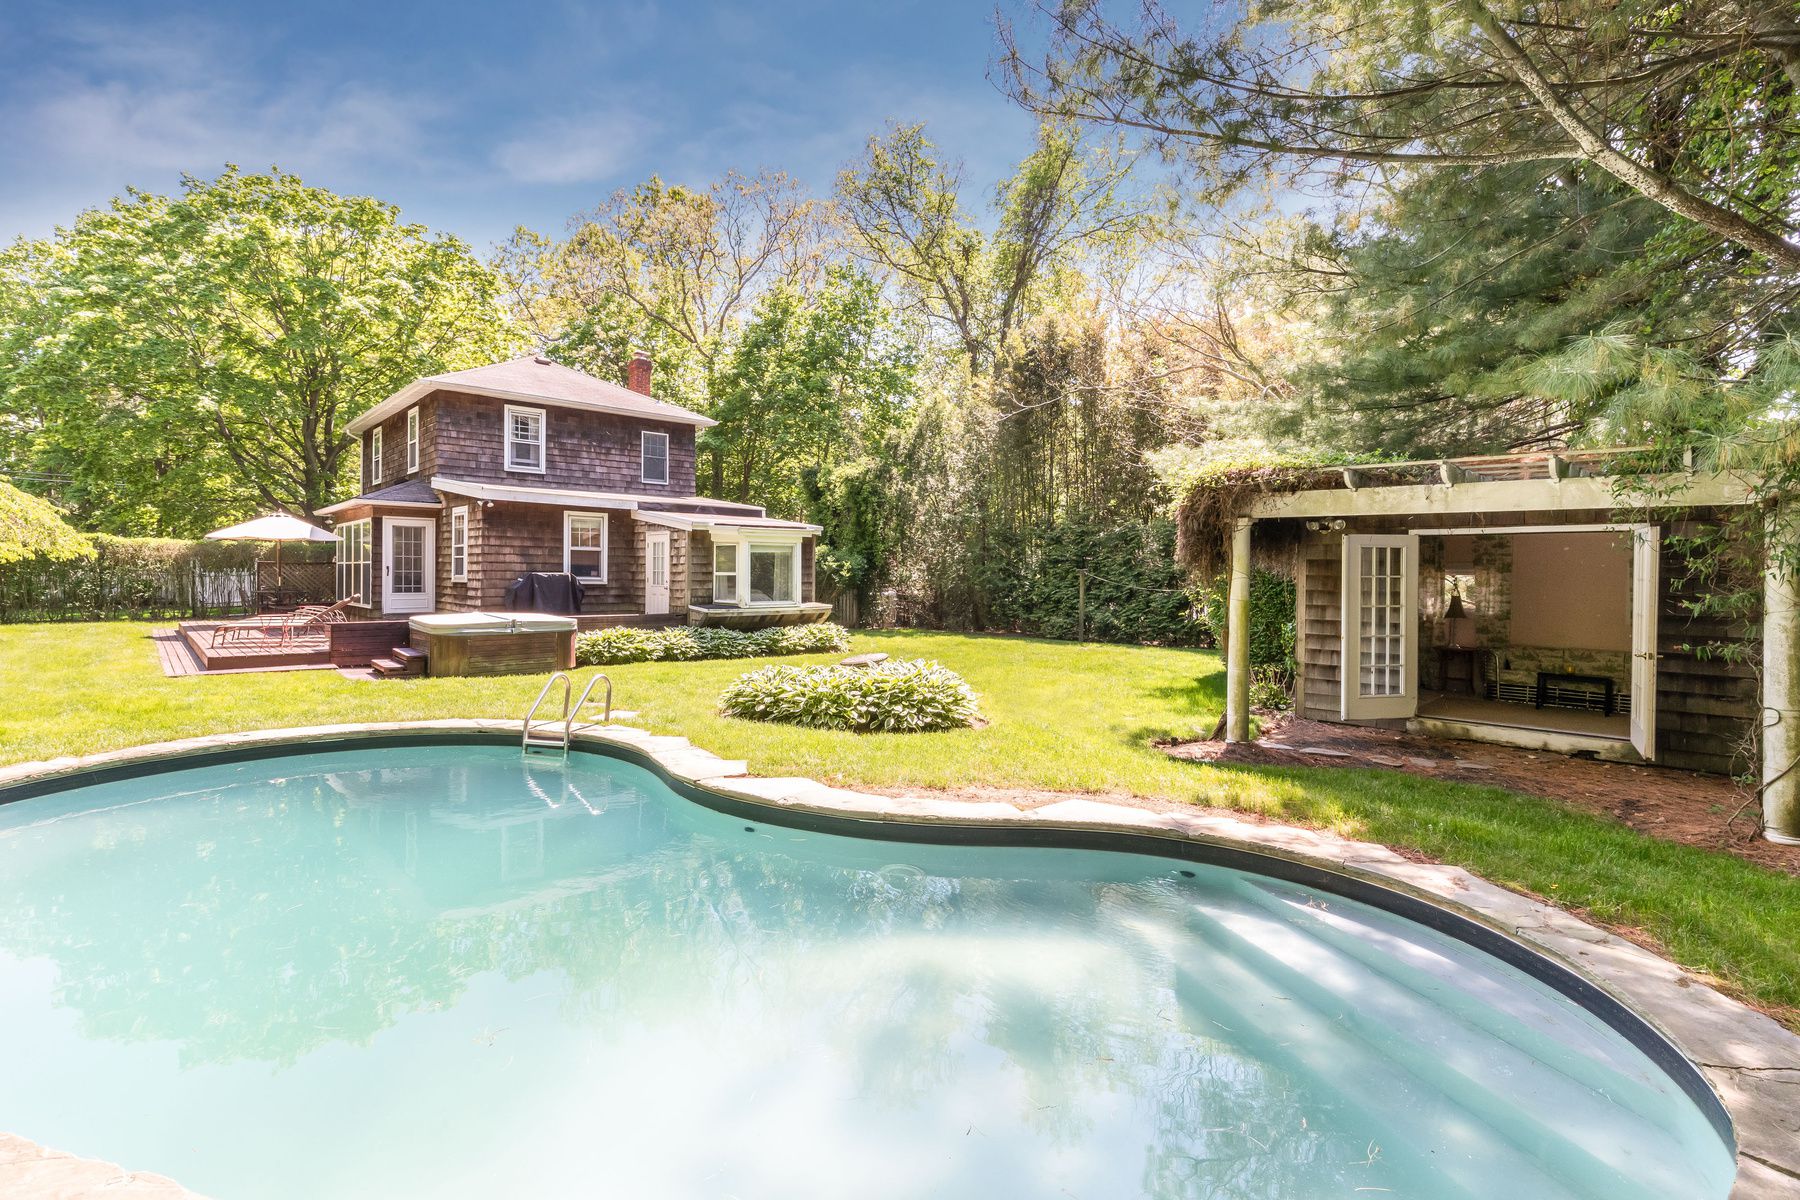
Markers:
(1060, 716)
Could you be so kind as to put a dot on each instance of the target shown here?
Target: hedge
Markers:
(623, 644)
(1136, 591)
(143, 578)
(889, 697)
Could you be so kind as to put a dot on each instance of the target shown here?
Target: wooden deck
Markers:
(253, 650)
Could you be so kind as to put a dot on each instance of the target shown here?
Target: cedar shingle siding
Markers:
(462, 437)
(588, 450)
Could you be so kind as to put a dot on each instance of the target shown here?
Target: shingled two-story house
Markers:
(473, 478)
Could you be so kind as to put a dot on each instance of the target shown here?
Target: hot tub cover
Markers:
(466, 623)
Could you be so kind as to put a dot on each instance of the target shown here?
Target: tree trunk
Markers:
(1722, 221)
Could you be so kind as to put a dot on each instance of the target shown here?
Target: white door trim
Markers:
(1404, 703)
(1646, 595)
(408, 604)
(656, 592)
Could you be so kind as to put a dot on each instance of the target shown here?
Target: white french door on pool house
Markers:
(1380, 625)
(408, 571)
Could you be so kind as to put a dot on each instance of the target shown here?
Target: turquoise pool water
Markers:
(445, 972)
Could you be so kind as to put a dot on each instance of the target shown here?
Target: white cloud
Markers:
(140, 105)
(574, 148)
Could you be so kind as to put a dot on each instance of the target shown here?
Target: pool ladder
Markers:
(538, 735)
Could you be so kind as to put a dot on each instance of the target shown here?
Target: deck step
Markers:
(405, 662)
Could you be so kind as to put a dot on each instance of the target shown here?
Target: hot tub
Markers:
(487, 643)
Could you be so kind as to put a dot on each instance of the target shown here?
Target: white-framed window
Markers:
(653, 457)
(774, 573)
(459, 544)
(725, 573)
(584, 545)
(353, 573)
(412, 439)
(374, 478)
(524, 439)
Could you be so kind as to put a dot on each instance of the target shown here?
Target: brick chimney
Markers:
(637, 375)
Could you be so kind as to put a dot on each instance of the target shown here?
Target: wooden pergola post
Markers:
(1781, 681)
(1237, 637)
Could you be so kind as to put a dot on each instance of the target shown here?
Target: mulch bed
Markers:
(1678, 806)
(1708, 811)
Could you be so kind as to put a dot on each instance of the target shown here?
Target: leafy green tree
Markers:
(811, 382)
(905, 215)
(187, 359)
(1692, 106)
(672, 270)
(602, 337)
(32, 528)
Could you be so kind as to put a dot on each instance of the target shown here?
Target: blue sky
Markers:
(475, 117)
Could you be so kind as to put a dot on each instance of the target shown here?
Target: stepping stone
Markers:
(1325, 751)
(864, 660)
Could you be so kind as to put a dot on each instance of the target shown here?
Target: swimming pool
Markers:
(442, 970)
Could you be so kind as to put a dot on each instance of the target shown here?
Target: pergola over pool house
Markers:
(1542, 601)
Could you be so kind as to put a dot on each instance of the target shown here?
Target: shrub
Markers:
(807, 639)
(1136, 591)
(1272, 634)
(605, 647)
(890, 697)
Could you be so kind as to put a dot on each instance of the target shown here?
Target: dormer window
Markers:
(653, 457)
(375, 456)
(412, 440)
(525, 439)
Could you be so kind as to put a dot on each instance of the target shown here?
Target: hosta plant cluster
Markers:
(891, 697)
(684, 643)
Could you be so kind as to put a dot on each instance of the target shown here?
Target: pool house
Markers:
(1542, 601)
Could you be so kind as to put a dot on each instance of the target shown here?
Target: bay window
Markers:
(725, 573)
(773, 571)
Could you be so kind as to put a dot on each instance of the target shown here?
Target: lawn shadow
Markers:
(1194, 705)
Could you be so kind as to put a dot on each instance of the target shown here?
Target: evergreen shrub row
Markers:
(1136, 591)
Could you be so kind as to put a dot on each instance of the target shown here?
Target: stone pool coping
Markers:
(1751, 1062)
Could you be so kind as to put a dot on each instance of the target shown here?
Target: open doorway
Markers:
(1539, 631)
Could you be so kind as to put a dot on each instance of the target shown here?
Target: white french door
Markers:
(408, 566)
(1380, 666)
(656, 572)
(1646, 588)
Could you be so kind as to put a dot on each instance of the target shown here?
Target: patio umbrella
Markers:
(278, 529)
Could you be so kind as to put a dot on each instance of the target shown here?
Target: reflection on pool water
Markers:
(441, 971)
